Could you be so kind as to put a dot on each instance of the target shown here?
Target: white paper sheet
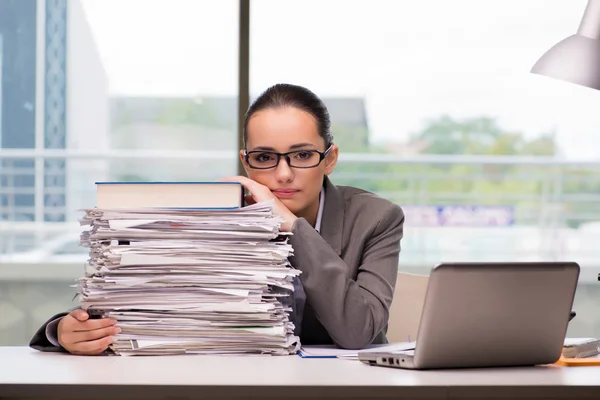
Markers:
(332, 351)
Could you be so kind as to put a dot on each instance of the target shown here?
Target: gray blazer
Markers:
(349, 270)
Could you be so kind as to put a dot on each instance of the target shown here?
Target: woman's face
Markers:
(282, 130)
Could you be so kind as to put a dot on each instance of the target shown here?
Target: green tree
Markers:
(479, 135)
(517, 185)
(522, 186)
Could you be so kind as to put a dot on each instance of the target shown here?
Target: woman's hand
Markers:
(79, 334)
(259, 193)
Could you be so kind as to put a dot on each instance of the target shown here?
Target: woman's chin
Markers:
(291, 205)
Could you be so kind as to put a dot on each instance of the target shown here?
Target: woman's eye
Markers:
(303, 155)
(264, 157)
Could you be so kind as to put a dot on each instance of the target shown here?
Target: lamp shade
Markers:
(576, 59)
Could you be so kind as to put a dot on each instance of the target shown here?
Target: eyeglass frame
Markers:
(322, 155)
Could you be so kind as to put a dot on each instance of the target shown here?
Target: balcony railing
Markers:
(457, 207)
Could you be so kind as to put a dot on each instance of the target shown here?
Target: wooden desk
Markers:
(26, 373)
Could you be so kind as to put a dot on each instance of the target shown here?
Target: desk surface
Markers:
(28, 373)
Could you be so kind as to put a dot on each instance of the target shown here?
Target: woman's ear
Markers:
(331, 159)
(243, 159)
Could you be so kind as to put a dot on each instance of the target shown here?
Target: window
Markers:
(104, 92)
(432, 105)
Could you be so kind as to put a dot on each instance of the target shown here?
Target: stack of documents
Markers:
(190, 281)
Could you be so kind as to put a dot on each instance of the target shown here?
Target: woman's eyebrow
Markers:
(267, 148)
(299, 145)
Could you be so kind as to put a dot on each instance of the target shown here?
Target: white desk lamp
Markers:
(576, 59)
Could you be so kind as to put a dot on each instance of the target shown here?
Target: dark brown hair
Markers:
(287, 95)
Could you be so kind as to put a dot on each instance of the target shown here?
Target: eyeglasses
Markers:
(260, 159)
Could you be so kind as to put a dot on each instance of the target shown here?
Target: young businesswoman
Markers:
(346, 241)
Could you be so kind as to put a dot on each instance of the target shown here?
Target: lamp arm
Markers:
(590, 22)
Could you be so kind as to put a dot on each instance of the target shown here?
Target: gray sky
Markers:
(411, 60)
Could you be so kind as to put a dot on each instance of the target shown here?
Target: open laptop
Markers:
(490, 315)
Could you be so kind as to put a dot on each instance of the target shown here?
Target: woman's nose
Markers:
(284, 172)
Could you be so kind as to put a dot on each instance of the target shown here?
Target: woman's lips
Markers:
(285, 193)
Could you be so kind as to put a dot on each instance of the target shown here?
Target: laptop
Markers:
(490, 315)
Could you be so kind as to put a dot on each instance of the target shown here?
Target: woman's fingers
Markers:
(93, 347)
(258, 192)
(88, 336)
(262, 193)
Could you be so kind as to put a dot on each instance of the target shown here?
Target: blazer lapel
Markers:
(332, 222)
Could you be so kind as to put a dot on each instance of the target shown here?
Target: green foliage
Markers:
(523, 186)
(480, 135)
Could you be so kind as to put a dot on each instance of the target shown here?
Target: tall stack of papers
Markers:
(190, 281)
